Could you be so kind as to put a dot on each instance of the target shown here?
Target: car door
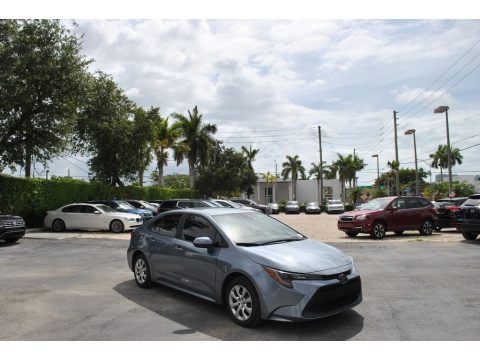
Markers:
(90, 220)
(414, 213)
(397, 215)
(160, 236)
(196, 266)
(70, 215)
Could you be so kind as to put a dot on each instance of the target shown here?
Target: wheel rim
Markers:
(378, 230)
(117, 226)
(140, 271)
(57, 225)
(427, 227)
(240, 302)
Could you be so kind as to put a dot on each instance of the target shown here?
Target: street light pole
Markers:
(412, 132)
(378, 170)
(439, 110)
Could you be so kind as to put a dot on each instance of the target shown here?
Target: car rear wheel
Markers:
(58, 225)
(378, 230)
(142, 272)
(116, 226)
(398, 232)
(352, 234)
(242, 302)
(427, 227)
(470, 236)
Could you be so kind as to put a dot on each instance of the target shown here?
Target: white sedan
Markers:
(90, 217)
(335, 206)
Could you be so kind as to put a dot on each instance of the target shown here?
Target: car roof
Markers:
(211, 211)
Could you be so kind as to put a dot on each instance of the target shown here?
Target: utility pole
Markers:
(397, 174)
(354, 173)
(320, 195)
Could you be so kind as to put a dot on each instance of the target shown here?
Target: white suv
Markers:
(335, 206)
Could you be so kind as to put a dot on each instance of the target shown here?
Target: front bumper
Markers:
(12, 232)
(292, 210)
(358, 226)
(335, 210)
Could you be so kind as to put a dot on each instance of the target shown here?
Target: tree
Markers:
(330, 171)
(250, 155)
(166, 137)
(143, 136)
(440, 158)
(173, 181)
(344, 166)
(293, 166)
(394, 166)
(197, 141)
(106, 131)
(269, 179)
(316, 171)
(41, 87)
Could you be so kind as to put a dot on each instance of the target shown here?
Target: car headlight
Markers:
(131, 219)
(361, 217)
(286, 278)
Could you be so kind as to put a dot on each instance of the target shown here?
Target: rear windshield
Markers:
(472, 202)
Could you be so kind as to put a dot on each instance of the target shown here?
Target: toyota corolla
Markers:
(254, 265)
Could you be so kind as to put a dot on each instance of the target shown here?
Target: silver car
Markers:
(292, 207)
(254, 265)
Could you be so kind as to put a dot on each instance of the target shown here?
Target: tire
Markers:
(58, 225)
(399, 232)
(470, 236)
(378, 231)
(141, 271)
(11, 240)
(427, 228)
(242, 302)
(351, 234)
(116, 226)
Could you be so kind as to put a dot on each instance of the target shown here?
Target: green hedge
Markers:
(31, 198)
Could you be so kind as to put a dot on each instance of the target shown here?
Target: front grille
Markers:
(332, 297)
(346, 218)
(12, 223)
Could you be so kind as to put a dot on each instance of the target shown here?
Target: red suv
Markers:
(393, 213)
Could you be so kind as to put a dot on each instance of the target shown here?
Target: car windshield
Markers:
(105, 208)
(334, 202)
(124, 205)
(147, 205)
(252, 228)
(472, 202)
(376, 204)
(292, 203)
(312, 204)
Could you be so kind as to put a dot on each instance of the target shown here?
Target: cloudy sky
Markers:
(271, 83)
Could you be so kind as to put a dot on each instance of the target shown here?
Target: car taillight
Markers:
(454, 208)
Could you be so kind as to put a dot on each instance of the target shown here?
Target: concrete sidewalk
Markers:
(44, 234)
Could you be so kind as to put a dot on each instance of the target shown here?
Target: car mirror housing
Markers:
(203, 242)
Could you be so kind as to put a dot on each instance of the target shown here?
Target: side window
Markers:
(399, 204)
(88, 209)
(197, 226)
(168, 204)
(167, 225)
(424, 202)
(113, 205)
(413, 203)
(72, 209)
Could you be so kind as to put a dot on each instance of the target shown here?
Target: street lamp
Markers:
(378, 170)
(412, 132)
(439, 110)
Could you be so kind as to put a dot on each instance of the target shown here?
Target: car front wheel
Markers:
(116, 226)
(242, 302)
(378, 231)
(58, 225)
(141, 271)
(427, 227)
(352, 234)
(470, 236)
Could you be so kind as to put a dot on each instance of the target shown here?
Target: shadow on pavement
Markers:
(5, 244)
(211, 319)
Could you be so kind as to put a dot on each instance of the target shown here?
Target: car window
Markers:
(412, 203)
(105, 208)
(168, 204)
(72, 209)
(399, 204)
(197, 226)
(166, 225)
(88, 209)
(185, 204)
(424, 202)
(472, 202)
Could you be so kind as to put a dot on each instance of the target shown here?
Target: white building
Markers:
(469, 179)
(307, 190)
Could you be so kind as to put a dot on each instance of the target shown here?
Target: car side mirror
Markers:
(97, 212)
(203, 242)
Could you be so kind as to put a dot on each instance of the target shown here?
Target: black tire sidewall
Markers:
(255, 318)
(113, 222)
(58, 221)
(351, 233)
(148, 281)
(470, 236)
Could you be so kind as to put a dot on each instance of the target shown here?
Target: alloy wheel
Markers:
(140, 271)
(240, 302)
(427, 227)
(379, 231)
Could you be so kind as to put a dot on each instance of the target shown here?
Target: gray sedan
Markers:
(256, 266)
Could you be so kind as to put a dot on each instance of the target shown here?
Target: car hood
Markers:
(135, 211)
(360, 212)
(304, 256)
(10, 217)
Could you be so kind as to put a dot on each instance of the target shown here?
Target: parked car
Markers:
(393, 213)
(253, 264)
(447, 210)
(247, 202)
(312, 208)
(232, 204)
(468, 219)
(142, 204)
(91, 217)
(124, 207)
(12, 228)
(292, 206)
(334, 206)
(175, 204)
(156, 203)
(274, 207)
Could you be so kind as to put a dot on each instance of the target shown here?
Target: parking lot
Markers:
(77, 286)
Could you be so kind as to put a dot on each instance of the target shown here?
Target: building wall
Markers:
(470, 179)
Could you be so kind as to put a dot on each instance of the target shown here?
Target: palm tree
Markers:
(165, 138)
(293, 166)
(197, 141)
(344, 165)
(394, 166)
(249, 155)
(330, 171)
(440, 158)
(269, 178)
(316, 170)
(357, 165)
